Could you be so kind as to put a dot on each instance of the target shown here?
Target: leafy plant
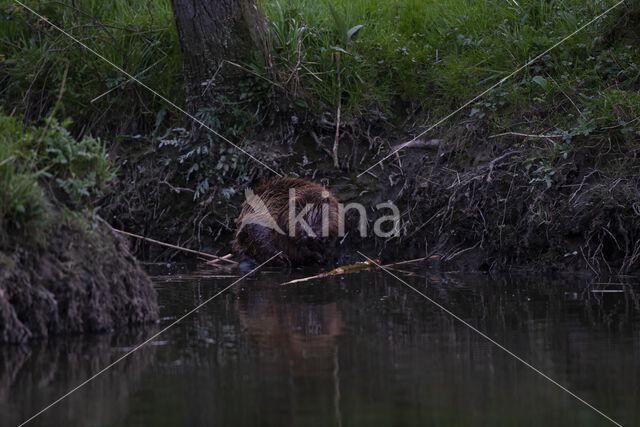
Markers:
(23, 205)
(79, 168)
(35, 159)
(205, 162)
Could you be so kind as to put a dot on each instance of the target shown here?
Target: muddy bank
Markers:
(482, 200)
(525, 177)
(509, 200)
(75, 279)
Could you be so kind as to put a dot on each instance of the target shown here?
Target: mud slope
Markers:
(73, 281)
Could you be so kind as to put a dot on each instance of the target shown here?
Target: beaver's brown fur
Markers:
(271, 209)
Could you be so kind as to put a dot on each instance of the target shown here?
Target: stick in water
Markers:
(339, 271)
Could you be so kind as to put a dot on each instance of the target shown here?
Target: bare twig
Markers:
(169, 245)
(359, 267)
(226, 257)
(337, 138)
(449, 257)
(526, 135)
(421, 143)
(318, 142)
(339, 271)
(412, 261)
(496, 160)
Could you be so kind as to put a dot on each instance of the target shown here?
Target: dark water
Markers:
(358, 350)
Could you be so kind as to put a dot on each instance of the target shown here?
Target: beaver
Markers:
(263, 227)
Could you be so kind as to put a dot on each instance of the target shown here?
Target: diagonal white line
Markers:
(491, 340)
(504, 79)
(131, 77)
(126, 81)
(148, 340)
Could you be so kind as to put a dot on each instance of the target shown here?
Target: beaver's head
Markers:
(288, 215)
(312, 213)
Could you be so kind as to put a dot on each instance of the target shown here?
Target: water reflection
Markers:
(33, 376)
(353, 350)
(297, 337)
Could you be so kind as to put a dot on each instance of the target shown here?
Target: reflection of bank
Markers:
(304, 336)
(34, 376)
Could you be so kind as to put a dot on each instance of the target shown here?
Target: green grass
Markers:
(134, 35)
(23, 205)
(429, 56)
(414, 61)
(439, 54)
(43, 167)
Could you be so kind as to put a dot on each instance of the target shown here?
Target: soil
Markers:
(478, 201)
(74, 280)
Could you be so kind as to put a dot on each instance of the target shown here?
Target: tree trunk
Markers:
(211, 31)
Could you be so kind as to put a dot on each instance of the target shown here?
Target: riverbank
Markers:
(541, 172)
(77, 281)
(479, 200)
(61, 271)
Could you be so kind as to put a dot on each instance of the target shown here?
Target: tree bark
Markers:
(210, 32)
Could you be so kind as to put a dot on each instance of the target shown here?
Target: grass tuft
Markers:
(44, 166)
